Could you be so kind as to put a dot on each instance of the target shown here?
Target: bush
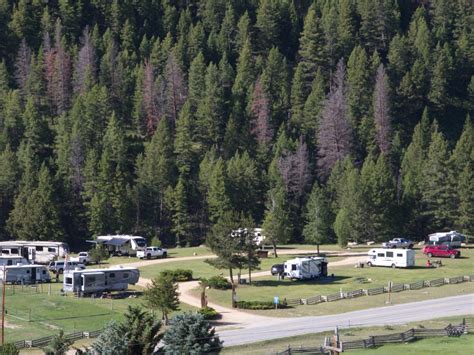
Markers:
(258, 305)
(219, 283)
(98, 254)
(156, 242)
(208, 313)
(178, 275)
(9, 349)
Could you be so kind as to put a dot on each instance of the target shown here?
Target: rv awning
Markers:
(113, 241)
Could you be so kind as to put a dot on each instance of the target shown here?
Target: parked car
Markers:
(82, 258)
(152, 252)
(277, 269)
(398, 243)
(58, 266)
(441, 251)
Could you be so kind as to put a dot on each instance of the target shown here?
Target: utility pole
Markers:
(3, 303)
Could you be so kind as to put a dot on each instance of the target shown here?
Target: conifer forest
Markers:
(320, 121)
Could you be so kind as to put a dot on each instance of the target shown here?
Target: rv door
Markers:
(32, 254)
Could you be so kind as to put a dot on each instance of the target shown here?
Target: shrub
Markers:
(219, 283)
(156, 242)
(9, 349)
(208, 313)
(98, 254)
(258, 305)
(178, 275)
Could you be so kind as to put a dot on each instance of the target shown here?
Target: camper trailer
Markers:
(121, 244)
(391, 257)
(38, 252)
(306, 268)
(26, 274)
(452, 238)
(12, 260)
(100, 280)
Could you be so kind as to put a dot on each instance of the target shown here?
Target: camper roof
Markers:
(114, 268)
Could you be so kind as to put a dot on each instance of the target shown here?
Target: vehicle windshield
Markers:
(140, 242)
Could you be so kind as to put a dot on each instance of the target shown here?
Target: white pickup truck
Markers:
(398, 243)
(152, 252)
(82, 258)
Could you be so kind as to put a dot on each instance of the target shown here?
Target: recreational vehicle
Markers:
(306, 268)
(100, 280)
(121, 244)
(452, 238)
(391, 257)
(38, 252)
(25, 274)
(12, 260)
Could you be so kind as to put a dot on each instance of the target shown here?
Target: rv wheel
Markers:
(429, 255)
(148, 256)
(393, 266)
(165, 255)
(369, 264)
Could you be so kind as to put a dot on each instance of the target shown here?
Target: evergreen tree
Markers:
(382, 111)
(276, 223)
(181, 221)
(217, 196)
(111, 340)
(191, 333)
(162, 295)
(9, 173)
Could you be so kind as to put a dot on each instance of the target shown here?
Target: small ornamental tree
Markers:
(59, 345)
(191, 334)
(98, 254)
(163, 295)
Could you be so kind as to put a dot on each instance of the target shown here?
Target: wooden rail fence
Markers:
(42, 342)
(380, 340)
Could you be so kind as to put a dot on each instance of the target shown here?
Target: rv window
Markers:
(68, 281)
(52, 250)
(381, 254)
(399, 255)
(293, 267)
(39, 248)
(44, 272)
(14, 251)
(91, 279)
(125, 276)
(5, 251)
(112, 274)
(389, 254)
(28, 271)
(10, 262)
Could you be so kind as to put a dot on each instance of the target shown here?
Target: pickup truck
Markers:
(398, 243)
(152, 252)
(82, 258)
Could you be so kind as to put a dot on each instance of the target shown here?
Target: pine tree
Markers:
(318, 217)
(334, 135)
(346, 27)
(85, 68)
(196, 84)
(181, 221)
(382, 111)
(226, 41)
(465, 191)
(9, 174)
(276, 223)
(174, 88)
(260, 108)
(163, 294)
(269, 24)
(313, 107)
(437, 190)
(183, 143)
(217, 197)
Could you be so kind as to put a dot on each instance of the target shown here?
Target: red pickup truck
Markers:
(440, 251)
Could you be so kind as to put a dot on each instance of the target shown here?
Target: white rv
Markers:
(452, 238)
(25, 274)
(12, 260)
(121, 244)
(39, 252)
(100, 280)
(306, 268)
(391, 257)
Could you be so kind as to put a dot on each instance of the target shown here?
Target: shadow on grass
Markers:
(286, 282)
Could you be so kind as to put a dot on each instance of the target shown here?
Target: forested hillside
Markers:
(319, 120)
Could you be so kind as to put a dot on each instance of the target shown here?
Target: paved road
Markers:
(397, 314)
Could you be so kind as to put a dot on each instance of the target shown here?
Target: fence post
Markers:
(289, 349)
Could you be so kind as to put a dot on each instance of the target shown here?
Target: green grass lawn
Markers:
(31, 315)
(349, 278)
(425, 346)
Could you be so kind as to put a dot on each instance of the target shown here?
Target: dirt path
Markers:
(230, 316)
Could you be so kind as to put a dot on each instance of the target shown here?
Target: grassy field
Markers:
(348, 278)
(32, 315)
(202, 269)
(456, 345)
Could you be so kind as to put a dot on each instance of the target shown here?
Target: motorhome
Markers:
(306, 268)
(13, 260)
(121, 244)
(38, 252)
(391, 257)
(452, 238)
(25, 274)
(100, 280)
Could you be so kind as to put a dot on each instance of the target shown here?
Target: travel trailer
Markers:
(90, 281)
(121, 244)
(12, 260)
(38, 252)
(306, 268)
(391, 257)
(452, 238)
(25, 274)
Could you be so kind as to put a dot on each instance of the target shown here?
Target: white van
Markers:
(391, 257)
